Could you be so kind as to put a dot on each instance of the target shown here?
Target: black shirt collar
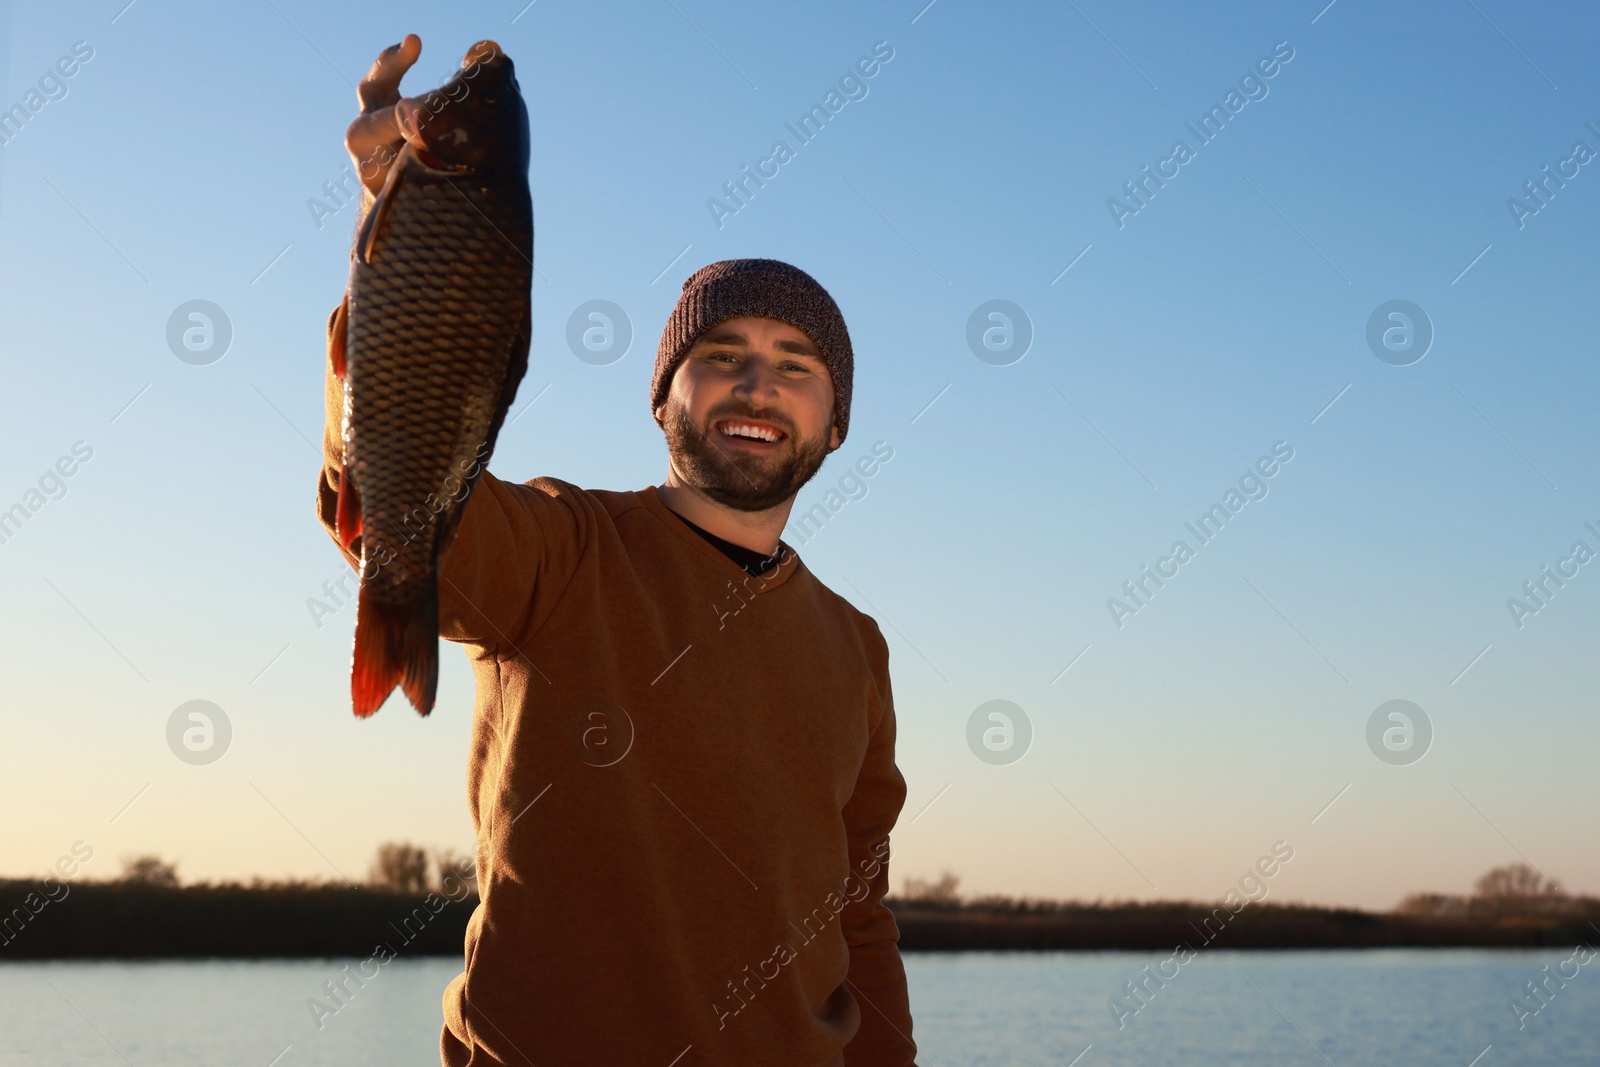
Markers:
(752, 562)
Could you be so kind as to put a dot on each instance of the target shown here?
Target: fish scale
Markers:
(435, 338)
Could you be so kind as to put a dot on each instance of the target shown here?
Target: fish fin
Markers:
(395, 645)
(338, 336)
(367, 239)
(347, 518)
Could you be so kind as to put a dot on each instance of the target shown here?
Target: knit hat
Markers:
(767, 288)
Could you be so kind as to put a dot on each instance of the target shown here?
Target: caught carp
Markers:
(430, 342)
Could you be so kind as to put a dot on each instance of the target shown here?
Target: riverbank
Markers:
(1162, 926)
(126, 920)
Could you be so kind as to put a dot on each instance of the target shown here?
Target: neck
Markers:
(756, 530)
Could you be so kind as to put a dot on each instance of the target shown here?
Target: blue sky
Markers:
(1224, 316)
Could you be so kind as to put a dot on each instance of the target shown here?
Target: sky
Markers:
(1156, 350)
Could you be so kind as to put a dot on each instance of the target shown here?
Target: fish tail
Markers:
(396, 645)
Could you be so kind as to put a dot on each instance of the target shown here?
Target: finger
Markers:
(410, 113)
(371, 130)
(381, 86)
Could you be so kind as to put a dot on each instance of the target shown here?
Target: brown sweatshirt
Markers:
(682, 779)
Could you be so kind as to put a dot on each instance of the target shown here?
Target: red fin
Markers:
(338, 337)
(347, 519)
(395, 645)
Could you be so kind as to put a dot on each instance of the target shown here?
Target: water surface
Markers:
(1420, 1008)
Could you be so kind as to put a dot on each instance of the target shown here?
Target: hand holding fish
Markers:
(375, 137)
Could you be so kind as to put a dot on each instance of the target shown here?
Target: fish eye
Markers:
(491, 100)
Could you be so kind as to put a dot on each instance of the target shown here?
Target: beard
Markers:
(744, 481)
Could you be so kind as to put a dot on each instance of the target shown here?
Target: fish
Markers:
(430, 342)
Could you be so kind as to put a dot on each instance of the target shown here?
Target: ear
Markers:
(660, 410)
(833, 441)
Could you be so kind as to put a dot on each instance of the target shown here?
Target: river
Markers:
(1418, 1008)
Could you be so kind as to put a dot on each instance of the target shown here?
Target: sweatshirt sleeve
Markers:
(512, 554)
(877, 977)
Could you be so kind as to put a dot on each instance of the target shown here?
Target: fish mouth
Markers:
(743, 435)
(486, 52)
(434, 163)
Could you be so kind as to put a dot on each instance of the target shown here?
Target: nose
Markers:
(756, 382)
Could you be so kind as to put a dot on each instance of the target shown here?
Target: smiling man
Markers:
(750, 405)
(682, 767)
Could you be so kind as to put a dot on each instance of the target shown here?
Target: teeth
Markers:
(740, 429)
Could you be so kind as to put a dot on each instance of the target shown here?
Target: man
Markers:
(682, 768)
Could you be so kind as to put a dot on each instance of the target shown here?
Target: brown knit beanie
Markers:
(767, 288)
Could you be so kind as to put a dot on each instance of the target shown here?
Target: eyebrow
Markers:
(734, 337)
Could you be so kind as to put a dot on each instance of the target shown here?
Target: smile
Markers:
(752, 433)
